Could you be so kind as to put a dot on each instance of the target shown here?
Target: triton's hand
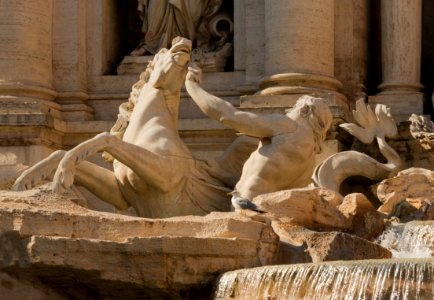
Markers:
(194, 73)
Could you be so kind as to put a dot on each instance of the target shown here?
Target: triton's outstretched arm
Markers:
(244, 122)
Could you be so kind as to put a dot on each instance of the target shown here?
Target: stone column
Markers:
(299, 58)
(351, 47)
(25, 57)
(299, 52)
(401, 29)
(69, 60)
(254, 44)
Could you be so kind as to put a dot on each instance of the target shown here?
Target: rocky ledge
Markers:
(57, 249)
(53, 248)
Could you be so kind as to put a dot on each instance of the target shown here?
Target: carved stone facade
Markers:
(59, 83)
(66, 72)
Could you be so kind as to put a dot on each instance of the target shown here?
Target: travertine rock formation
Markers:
(301, 245)
(365, 220)
(409, 195)
(26, 287)
(313, 208)
(321, 209)
(51, 239)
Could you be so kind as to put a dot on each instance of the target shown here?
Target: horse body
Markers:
(154, 128)
(154, 171)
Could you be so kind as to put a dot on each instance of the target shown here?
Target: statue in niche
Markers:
(285, 156)
(198, 20)
(163, 20)
(154, 171)
(378, 125)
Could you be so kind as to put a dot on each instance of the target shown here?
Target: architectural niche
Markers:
(153, 24)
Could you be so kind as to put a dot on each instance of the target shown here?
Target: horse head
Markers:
(168, 69)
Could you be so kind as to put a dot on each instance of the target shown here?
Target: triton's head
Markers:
(317, 113)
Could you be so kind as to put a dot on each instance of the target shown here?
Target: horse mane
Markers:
(127, 108)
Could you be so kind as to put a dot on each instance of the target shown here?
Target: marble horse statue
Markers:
(154, 171)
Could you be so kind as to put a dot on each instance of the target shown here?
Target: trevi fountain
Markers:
(216, 149)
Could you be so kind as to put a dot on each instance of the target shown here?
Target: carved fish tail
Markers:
(335, 169)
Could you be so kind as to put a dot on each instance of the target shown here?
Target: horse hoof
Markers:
(23, 183)
(63, 179)
(18, 187)
(57, 188)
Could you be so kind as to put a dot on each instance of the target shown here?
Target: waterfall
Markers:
(397, 279)
(410, 240)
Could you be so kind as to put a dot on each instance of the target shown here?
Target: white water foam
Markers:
(411, 240)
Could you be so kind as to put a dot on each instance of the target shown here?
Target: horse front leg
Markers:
(158, 171)
(64, 176)
(39, 172)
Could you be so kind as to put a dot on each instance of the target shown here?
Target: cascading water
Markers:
(409, 275)
(396, 279)
(411, 240)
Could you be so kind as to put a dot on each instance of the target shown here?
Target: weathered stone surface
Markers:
(314, 208)
(13, 287)
(321, 210)
(365, 220)
(301, 245)
(10, 168)
(328, 246)
(54, 240)
(409, 195)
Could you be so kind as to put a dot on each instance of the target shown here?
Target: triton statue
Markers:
(285, 156)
